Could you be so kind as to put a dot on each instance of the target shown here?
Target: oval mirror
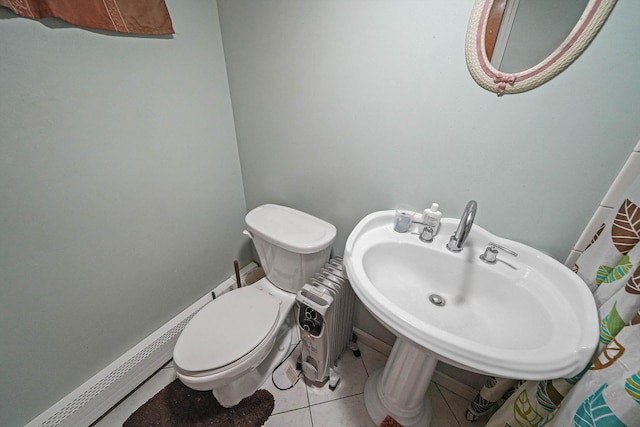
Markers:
(483, 41)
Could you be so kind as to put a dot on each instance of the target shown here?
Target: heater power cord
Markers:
(280, 364)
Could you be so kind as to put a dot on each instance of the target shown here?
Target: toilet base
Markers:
(231, 394)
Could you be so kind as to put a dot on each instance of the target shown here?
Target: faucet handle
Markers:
(490, 254)
(502, 248)
(427, 234)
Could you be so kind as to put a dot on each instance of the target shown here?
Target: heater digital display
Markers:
(310, 320)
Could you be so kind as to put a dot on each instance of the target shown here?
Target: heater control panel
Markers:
(310, 320)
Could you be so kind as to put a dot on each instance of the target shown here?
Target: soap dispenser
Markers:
(431, 217)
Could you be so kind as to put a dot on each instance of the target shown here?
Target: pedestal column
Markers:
(399, 389)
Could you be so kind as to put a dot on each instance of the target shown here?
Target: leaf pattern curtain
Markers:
(607, 392)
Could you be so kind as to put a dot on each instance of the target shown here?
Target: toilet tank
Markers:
(292, 245)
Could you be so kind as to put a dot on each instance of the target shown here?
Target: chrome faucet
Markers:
(464, 227)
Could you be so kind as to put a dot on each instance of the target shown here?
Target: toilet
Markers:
(235, 341)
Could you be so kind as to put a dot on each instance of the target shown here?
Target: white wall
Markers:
(347, 107)
(121, 197)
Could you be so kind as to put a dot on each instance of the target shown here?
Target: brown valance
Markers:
(124, 16)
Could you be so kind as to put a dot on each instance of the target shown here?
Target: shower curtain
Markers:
(607, 392)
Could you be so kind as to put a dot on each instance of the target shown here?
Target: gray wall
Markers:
(121, 197)
(347, 107)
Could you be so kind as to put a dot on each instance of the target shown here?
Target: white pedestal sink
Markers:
(526, 317)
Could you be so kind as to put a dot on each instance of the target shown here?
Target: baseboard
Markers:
(444, 380)
(373, 342)
(454, 386)
(91, 400)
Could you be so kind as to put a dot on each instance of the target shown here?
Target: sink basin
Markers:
(524, 317)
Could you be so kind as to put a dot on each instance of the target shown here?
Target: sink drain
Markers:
(437, 300)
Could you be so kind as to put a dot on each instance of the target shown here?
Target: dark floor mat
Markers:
(177, 405)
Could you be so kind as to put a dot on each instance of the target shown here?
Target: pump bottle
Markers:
(431, 217)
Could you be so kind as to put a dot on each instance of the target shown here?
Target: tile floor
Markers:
(308, 405)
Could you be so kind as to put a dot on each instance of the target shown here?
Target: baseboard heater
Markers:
(91, 400)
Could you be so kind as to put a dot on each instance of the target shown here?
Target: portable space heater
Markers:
(325, 318)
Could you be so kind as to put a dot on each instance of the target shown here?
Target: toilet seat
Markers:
(231, 330)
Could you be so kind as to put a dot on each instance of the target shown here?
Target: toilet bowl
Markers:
(235, 341)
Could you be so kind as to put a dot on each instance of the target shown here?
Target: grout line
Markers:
(336, 399)
(306, 390)
(365, 369)
(289, 410)
(310, 415)
(453, 415)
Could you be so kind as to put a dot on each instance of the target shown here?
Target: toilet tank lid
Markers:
(290, 229)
